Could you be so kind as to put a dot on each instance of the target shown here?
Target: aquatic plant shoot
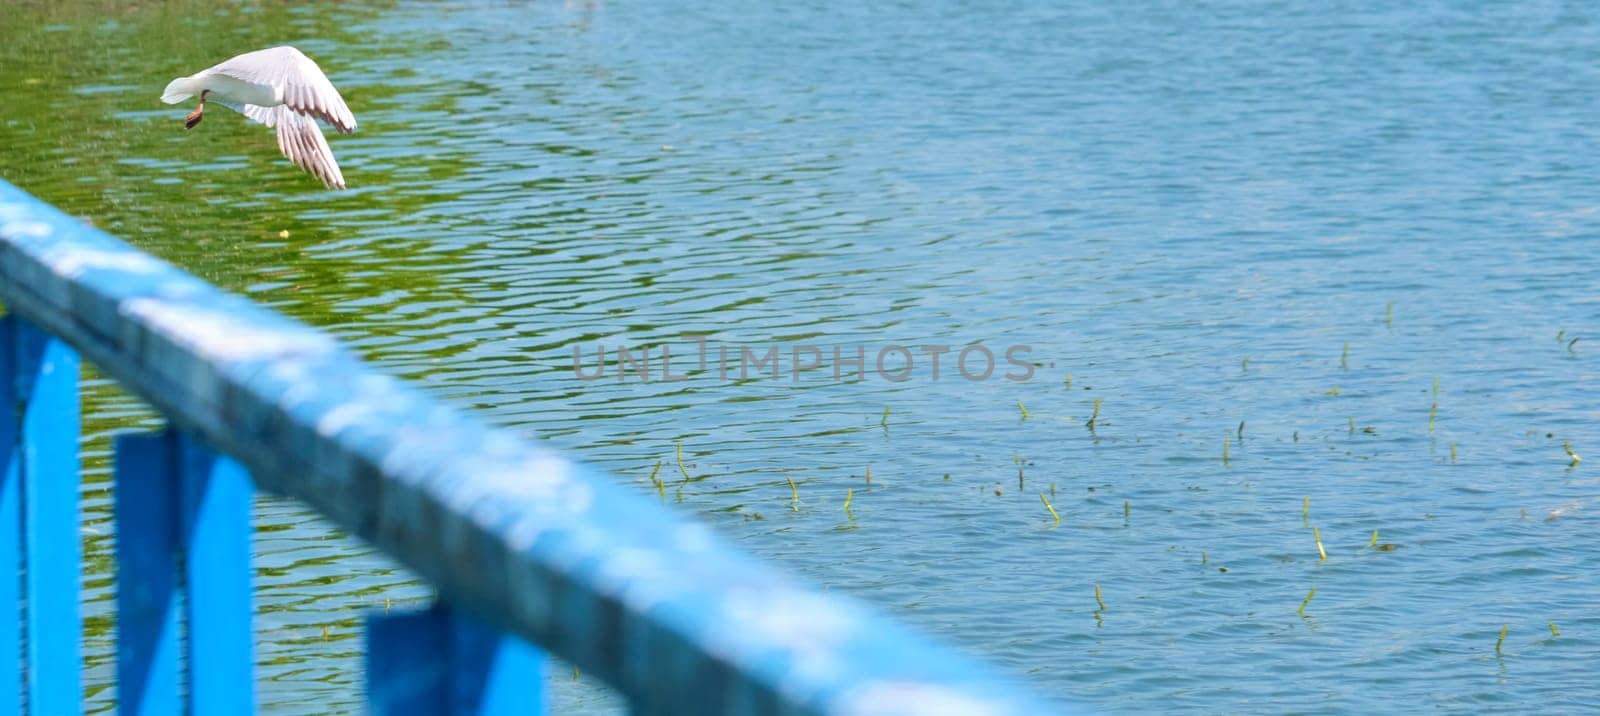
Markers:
(1053, 514)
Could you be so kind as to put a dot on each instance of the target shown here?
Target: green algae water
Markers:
(1257, 253)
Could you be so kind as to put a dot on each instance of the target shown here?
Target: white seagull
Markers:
(279, 87)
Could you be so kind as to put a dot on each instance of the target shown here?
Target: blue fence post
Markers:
(493, 673)
(10, 522)
(146, 498)
(442, 661)
(44, 376)
(214, 515)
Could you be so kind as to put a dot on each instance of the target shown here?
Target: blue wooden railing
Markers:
(523, 545)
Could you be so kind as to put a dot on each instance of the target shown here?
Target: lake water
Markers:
(1347, 246)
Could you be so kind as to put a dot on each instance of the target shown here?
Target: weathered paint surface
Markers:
(534, 543)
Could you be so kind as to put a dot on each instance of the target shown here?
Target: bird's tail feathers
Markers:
(178, 90)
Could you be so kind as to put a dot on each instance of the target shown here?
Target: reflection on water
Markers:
(1186, 211)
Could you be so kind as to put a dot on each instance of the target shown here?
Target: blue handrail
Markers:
(515, 537)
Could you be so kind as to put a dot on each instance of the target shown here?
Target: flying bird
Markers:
(279, 87)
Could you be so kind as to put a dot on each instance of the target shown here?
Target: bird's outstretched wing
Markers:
(301, 140)
(305, 88)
